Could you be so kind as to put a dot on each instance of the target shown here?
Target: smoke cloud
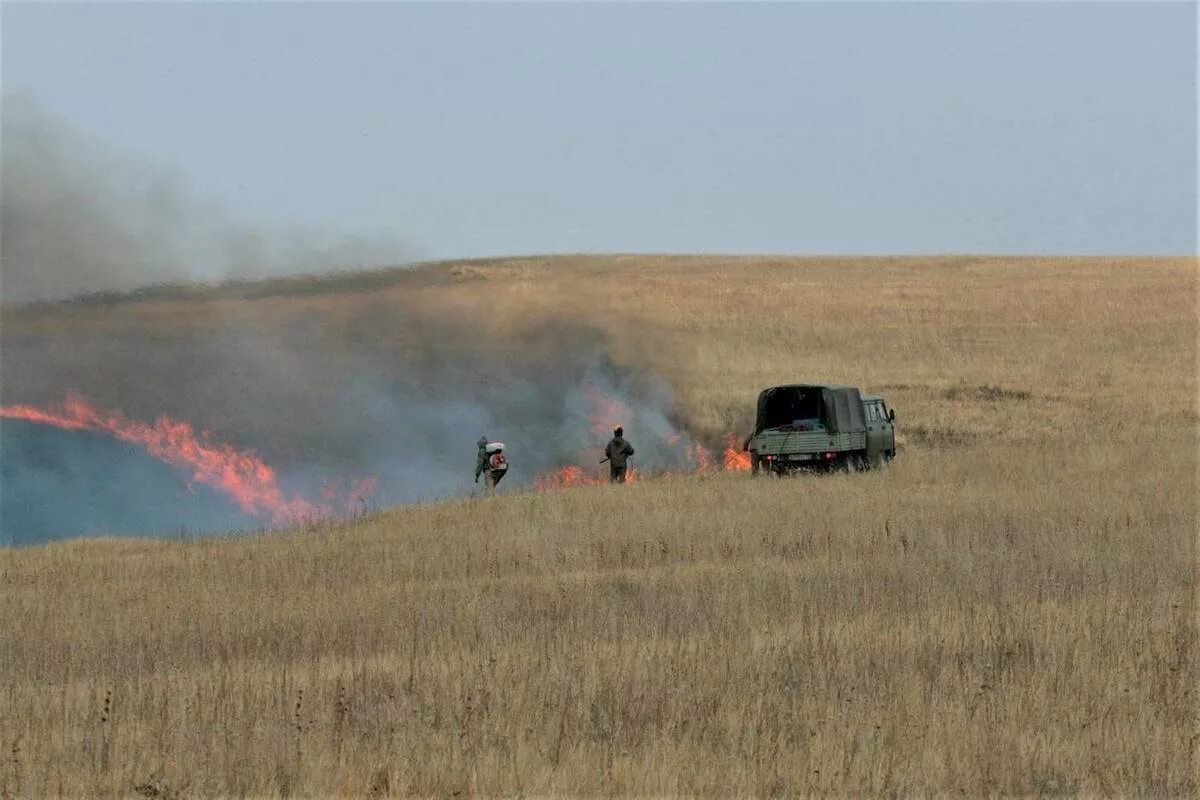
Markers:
(390, 375)
(77, 218)
(322, 416)
(58, 484)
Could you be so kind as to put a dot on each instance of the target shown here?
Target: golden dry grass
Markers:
(1009, 609)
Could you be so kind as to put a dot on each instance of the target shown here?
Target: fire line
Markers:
(248, 481)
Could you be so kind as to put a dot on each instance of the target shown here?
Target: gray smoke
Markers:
(78, 218)
(330, 380)
(324, 414)
(56, 484)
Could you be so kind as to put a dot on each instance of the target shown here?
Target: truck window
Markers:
(785, 406)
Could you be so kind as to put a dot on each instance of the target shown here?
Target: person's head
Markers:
(618, 432)
(483, 441)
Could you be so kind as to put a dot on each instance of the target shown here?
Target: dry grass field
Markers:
(1009, 609)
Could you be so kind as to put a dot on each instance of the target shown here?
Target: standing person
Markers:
(491, 463)
(481, 459)
(618, 452)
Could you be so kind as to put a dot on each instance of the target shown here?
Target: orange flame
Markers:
(702, 459)
(605, 413)
(736, 460)
(571, 476)
(245, 478)
(698, 456)
(564, 478)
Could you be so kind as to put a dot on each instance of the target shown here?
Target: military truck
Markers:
(820, 426)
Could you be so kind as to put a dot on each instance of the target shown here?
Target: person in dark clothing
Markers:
(617, 453)
(481, 459)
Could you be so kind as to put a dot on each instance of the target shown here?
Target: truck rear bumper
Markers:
(783, 460)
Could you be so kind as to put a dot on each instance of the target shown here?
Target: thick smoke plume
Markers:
(406, 418)
(78, 218)
(390, 376)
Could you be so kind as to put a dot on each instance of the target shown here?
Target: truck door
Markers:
(888, 424)
(873, 411)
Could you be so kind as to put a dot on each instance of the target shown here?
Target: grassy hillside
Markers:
(1008, 609)
(1119, 333)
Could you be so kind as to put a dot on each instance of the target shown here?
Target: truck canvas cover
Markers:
(839, 408)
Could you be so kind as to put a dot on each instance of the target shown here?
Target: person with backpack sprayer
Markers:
(617, 454)
(491, 463)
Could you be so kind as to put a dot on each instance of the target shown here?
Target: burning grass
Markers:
(1006, 610)
(605, 413)
(243, 477)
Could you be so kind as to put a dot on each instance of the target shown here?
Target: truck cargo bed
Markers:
(782, 443)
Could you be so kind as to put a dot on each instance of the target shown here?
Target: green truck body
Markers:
(820, 426)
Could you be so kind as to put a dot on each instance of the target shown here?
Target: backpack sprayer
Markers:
(497, 462)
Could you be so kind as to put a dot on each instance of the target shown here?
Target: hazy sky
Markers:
(502, 128)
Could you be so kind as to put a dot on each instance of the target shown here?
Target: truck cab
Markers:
(881, 429)
(819, 426)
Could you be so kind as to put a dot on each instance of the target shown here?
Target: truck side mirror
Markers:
(892, 414)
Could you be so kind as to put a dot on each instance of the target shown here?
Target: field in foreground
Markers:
(1008, 609)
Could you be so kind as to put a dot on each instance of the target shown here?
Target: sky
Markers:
(493, 129)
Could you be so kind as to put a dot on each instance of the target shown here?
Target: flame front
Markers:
(254, 487)
(243, 477)
(564, 478)
(607, 412)
(735, 459)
